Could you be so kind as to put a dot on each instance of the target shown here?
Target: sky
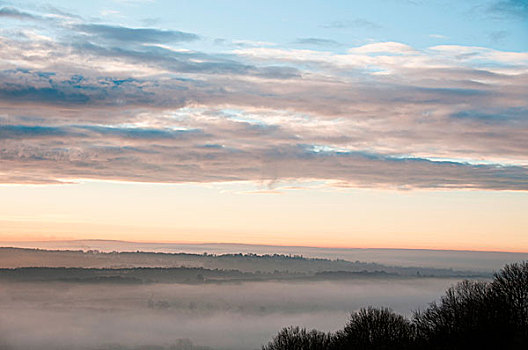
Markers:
(387, 123)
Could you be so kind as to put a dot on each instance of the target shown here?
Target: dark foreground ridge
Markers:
(471, 315)
(186, 275)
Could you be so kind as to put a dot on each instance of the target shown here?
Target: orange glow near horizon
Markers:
(483, 248)
(234, 213)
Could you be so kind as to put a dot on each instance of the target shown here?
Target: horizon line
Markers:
(256, 244)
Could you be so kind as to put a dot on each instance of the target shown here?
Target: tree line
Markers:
(470, 315)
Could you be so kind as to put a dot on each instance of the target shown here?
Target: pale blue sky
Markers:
(496, 24)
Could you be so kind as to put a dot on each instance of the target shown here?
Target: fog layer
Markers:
(54, 316)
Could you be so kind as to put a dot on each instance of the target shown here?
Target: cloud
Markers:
(383, 47)
(136, 35)
(191, 162)
(513, 115)
(140, 133)
(58, 96)
(118, 103)
(11, 12)
(316, 42)
(510, 8)
(24, 131)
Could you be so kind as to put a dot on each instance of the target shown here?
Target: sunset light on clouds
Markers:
(387, 124)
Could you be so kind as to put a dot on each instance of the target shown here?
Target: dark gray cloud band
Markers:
(136, 35)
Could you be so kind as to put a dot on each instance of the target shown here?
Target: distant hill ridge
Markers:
(481, 261)
(11, 257)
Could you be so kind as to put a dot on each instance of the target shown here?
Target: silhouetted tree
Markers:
(295, 338)
(373, 328)
(509, 289)
(465, 316)
(471, 315)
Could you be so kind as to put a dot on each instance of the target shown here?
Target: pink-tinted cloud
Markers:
(98, 101)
